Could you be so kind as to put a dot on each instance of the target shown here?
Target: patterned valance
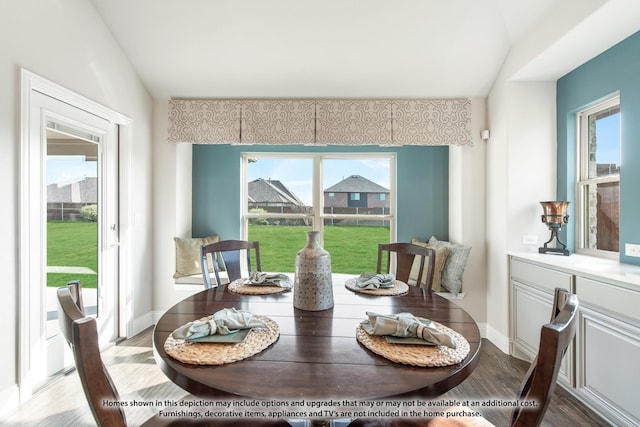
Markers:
(204, 121)
(337, 122)
(277, 122)
(353, 122)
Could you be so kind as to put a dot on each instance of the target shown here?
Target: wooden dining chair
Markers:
(75, 288)
(539, 382)
(231, 253)
(405, 255)
(81, 333)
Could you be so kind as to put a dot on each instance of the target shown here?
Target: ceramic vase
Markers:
(312, 287)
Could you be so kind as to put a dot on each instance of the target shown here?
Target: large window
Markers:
(598, 191)
(287, 194)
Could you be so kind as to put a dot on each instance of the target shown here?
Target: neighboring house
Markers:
(272, 196)
(65, 200)
(83, 190)
(356, 192)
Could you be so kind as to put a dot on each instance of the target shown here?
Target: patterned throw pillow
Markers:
(188, 255)
(455, 264)
(441, 257)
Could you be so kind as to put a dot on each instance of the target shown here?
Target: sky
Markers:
(608, 139)
(297, 174)
(67, 169)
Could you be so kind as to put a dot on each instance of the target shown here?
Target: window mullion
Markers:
(317, 193)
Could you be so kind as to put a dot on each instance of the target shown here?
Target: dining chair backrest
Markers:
(231, 253)
(75, 288)
(81, 333)
(540, 381)
(405, 256)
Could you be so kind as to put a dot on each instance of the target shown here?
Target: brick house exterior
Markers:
(356, 191)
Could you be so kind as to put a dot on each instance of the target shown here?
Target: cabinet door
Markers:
(531, 308)
(608, 373)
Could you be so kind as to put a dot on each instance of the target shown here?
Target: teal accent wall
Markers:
(616, 70)
(422, 180)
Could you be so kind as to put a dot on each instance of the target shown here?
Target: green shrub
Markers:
(258, 221)
(89, 213)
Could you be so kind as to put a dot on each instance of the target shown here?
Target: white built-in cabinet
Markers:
(602, 367)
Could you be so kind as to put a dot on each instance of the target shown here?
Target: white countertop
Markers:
(583, 265)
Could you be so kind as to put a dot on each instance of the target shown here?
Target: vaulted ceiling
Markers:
(355, 48)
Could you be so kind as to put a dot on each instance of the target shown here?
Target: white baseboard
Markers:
(10, 400)
(141, 323)
(483, 329)
(498, 339)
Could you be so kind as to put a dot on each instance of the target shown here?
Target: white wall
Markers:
(467, 212)
(521, 165)
(172, 211)
(520, 173)
(66, 43)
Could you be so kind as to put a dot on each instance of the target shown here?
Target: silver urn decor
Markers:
(312, 287)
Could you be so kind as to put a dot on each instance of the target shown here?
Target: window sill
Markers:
(450, 296)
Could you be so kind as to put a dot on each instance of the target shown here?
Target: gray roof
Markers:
(82, 191)
(356, 184)
(271, 191)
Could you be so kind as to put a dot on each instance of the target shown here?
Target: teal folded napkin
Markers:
(273, 279)
(223, 322)
(406, 325)
(374, 281)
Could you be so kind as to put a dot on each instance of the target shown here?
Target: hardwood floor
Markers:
(498, 376)
(133, 369)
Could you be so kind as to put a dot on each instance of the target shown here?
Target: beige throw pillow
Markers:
(441, 257)
(455, 265)
(188, 255)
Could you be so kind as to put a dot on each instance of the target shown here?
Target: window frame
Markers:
(583, 181)
(317, 217)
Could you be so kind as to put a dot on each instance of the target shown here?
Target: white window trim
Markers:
(317, 216)
(583, 180)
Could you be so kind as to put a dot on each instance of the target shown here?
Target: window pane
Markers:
(602, 216)
(279, 186)
(359, 186)
(604, 142)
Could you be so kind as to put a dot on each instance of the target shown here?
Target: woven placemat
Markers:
(399, 288)
(205, 353)
(238, 287)
(417, 355)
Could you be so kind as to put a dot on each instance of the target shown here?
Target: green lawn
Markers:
(73, 244)
(353, 249)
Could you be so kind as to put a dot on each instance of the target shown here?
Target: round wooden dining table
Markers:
(317, 355)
